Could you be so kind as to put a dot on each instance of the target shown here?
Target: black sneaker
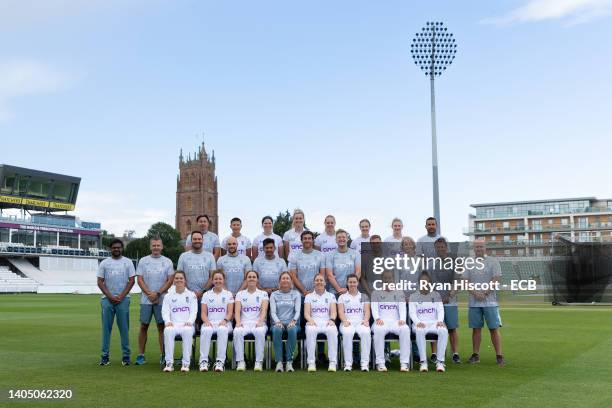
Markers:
(104, 361)
(433, 359)
(474, 358)
(456, 359)
(125, 361)
(500, 361)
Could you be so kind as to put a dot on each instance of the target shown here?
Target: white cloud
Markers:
(570, 11)
(25, 77)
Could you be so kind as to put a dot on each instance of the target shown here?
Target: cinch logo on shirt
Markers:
(216, 309)
(388, 307)
(354, 310)
(251, 309)
(322, 309)
(180, 309)
(327, 249)
(429, 310)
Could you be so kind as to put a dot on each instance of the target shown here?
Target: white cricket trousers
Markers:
(430, 327)
(206, 333)
(365, 338)
(391, 326)
(331, 332)
(260, 340)
(186, 333)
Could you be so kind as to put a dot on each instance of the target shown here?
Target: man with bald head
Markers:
(483, 304)
(234, 265)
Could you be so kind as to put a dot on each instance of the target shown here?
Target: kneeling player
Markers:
(320, 315)
(427, 315)
(179, 311)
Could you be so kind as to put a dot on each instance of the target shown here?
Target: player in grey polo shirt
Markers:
(210, 240)
(234, 265)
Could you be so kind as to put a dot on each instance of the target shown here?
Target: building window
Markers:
(68, 240)
(23, 237)
(44, 239)
(520, 252)
(564, 221)
(480, 226)
(536, 225)
(506, 224)
(583, 222)
(506, 238)
(90, 241)
(537, 237)
(4, 234)
(188, 225)
(188, 204)
(493, 237)
(507, 252)
(550, 221)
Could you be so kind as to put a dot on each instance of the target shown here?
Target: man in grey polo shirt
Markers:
(115, 280)
(154, 274)
(425, 244)
(234, 265)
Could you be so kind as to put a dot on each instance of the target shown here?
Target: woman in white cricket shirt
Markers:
(267, 224)
(427, 315)
(179, 311)
(354, 313)
(320, 315)
(251, 307)
(217, 312)
(389, 312)
(292, 239)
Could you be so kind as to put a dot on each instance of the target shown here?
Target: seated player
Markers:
(354, 313)
(320, 315)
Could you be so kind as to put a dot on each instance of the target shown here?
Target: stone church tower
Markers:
(196, 191)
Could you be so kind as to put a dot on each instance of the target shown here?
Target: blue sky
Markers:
(311, 104)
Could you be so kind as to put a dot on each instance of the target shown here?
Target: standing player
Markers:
(389, 312)
(269, 267)
(364, 227)
(210, 240)
(483, 305)
(234, 265)
(320, 314)
(244, 244)
(197, 265)
(285, 306)
(427, 315)
(425, 244)
(155, 275)
(257, 250)
(251, 307)
(179, 312)
(326, 242)
(305, 263)
(396, 226)
(342, 262)
(292, 238)
(217, 312)
(354, 313)
(115, 279)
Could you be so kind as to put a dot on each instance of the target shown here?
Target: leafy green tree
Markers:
(137, 248)
(282, 223)
(170, 237)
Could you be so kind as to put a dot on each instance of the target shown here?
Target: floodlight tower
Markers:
(433, 49)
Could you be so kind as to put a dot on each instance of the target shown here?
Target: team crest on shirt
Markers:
(173, 300)
(346, 300)
(186, 299)
(326, 300)
(223, 299)
(244, 299)
(257, 299)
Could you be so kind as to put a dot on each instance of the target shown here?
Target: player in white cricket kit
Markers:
(389, 312)
(396, 226)
(427, 316)
(217, 312)
(292, 239)
(257, 250)
(320, 315)
(179, 311)
(251, 307)
(364, 227)
(326, 242)
(354, 313)
(244, 243)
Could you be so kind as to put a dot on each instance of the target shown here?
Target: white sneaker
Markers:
(203, 366)
(279, 367)
(169, 368)
(440, 367)
(258, 366)
(312, 367)
(424, 367)
(219, 366)
(185, 368)
(381, 368)
(289, 367)
(404, 367)
(241, 366)
(348, 368)
(331, 368)
(364, 368)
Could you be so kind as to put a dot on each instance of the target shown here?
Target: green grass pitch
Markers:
(557, 357)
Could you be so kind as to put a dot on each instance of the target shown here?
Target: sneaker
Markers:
(381, 368)
(279, 367)
(289, 367)
(104, 360)
(331, 368)
(169, 368)
(203, 366)
(423, 368)
(348, 368)
(433, 358)
(404, 367)
(258, 366)
(500, 361)
(219, 366)
(185, 368)
(241, 366)
(125, 361)
(474, 358)
(456, 359)
(140, 359)
(312, 367)
(364, 368)
(440, 367)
